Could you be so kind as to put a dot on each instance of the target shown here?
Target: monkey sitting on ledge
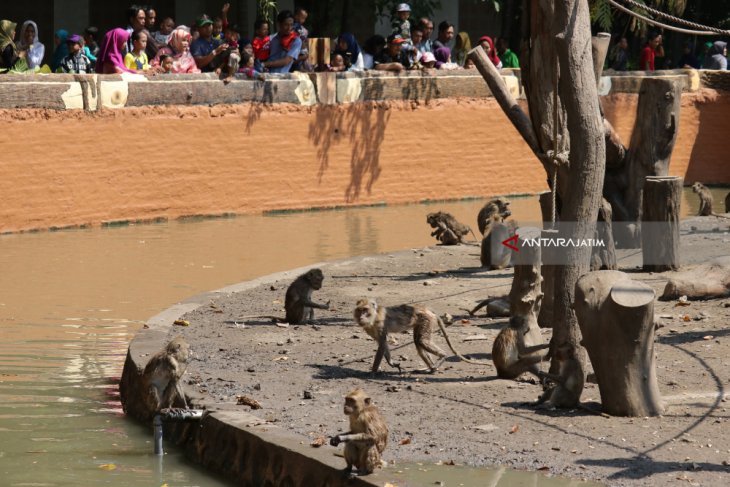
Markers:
(161, 379)
(368, 434)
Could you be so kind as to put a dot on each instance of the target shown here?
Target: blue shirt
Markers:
(201, 48)
(278, 52)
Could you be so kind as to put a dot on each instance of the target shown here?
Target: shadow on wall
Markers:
(265, 92)
(708, 161)
(362, 125)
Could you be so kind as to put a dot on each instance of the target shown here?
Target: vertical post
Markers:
(660, 223)
(545, 318)
(157, 422)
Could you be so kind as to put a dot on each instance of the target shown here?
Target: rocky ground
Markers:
(463, 413)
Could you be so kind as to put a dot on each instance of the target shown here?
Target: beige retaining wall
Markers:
(156, 148)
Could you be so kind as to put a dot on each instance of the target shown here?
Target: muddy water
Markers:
(71, 301)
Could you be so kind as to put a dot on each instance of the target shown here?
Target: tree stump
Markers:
(616, 317)
(494, 254)
(652, 142)
(707, 281)
(660, 223)
(548, 257)
(525, 295)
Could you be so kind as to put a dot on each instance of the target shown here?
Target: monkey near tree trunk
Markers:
(569, 380)
(298, 303)
(512, 354)
(162, 374)
(368, 434)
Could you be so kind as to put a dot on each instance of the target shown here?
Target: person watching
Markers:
(207, 52)
(393, 57)
(446, 33)
(285, 44)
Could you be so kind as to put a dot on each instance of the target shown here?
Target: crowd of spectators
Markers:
(213, 44)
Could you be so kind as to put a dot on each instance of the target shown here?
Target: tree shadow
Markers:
(691, 336)
(328, 372)
(263, 94)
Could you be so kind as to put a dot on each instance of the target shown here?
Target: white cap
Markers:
(403, 7)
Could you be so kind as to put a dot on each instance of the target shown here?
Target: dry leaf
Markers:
(686, 318)
(247, 401)
(515, 429)
(405, 441)
(181, 323)
(318, 441)
(281, 358)
(465, 322)
(108, 466)
(708, 337)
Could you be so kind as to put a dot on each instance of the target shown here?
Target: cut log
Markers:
(707, 281)
(525, 295)
(660, 223)
(652, 141)
(599, 49)
(604, 257)
(616, 317)
(494, 254)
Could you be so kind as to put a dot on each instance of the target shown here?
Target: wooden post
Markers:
(525, 295)
(660, 223)
(599, 49)
(652, 142)
(616, 317)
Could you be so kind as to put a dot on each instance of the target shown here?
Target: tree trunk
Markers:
(604, 257)
(616, 317)
(652, 142)
(526, 292)
(660, 223)
(548, 257)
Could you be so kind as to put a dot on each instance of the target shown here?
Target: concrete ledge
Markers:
(95, 92)
(232, 442)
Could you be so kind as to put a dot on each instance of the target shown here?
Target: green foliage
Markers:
(602, 14)
(266, 9)
(419, 8)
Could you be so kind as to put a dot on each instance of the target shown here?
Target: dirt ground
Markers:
(463, 413)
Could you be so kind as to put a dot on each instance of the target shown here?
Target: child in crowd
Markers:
(162, 36)
(234, 55)
(76, 62)
(337, 64)
(90, 44)
(137, 59)
(218, 29)
(166, 64)
(261, 43)
(248, 67)
(428, 60)
(87, 52)
(401, 25)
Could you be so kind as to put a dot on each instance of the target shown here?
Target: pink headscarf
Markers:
(111, 51)
(183, 61)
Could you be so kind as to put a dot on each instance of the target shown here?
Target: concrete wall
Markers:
(147, 160)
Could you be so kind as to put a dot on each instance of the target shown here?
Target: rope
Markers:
(656, 23)
(677, 20)
(556, 75)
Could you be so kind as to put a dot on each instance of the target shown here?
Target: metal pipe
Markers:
(172, 414)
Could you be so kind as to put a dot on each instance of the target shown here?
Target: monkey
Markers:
(378, 321)
(494, 211)
(368, 434)
(706, 200)
(511, 355)
(497, 307)
(448, 230)
(298, 303)
(162, 374)
(568, 382)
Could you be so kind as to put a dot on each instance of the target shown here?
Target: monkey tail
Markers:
(446, 336)
(473, 235)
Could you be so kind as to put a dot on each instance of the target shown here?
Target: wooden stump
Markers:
(599, 49)
(525, 295)
(545, 318)
(660, 223)
(616, 318)
(706, 281)
(494, 254)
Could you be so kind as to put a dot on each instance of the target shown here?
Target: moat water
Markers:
(71, 301)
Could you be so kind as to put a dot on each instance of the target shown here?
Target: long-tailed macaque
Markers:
(378, 321)
(705, 199)
(162, 374)
(511, 355)
(448, 230)
(494, 211)
(298, 303)
(368, 434)
(569, 380)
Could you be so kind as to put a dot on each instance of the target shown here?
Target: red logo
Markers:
(513, 238)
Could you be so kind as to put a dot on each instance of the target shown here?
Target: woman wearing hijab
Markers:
(29, 43)
(61, 49)
(716, 56)
(10, 57)
(179, 49)
(488, 46)
(348, 48)
(443, 58)
(110, 59)
(461, 47)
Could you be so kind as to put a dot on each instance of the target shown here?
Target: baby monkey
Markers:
(298, 303)
(511, 355)
(379, 321)
(368, 434)
(569, 381)
(162, 375)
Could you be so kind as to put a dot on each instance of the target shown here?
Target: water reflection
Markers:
(71, 301)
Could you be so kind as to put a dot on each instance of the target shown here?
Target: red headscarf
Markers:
(492, 52)
(111, 51)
